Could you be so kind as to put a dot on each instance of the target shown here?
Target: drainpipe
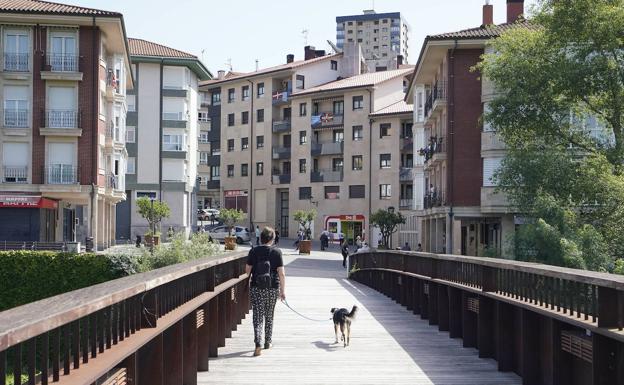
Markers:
(95, 135)
(160, 130)
(451, 132)
(251, 168)
(370, 166)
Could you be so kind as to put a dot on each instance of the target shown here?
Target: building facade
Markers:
(459, 210)
(384, 38)
(162, 136)
(294, 137)
(65, 72)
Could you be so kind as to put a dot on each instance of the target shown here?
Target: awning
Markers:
(27, 202)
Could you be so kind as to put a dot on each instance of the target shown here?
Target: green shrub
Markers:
(180, 250)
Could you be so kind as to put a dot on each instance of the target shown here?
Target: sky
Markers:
(243, 31)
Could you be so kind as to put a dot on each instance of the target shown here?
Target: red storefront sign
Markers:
(357, 217)
(235, 193)
(27, 201)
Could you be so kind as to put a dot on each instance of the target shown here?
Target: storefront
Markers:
(349, 226)
(236, 199)
(27, 218)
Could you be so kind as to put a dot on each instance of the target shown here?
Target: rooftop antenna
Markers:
(228, 63)
(202, 54)
(304, 33)
(257, 61)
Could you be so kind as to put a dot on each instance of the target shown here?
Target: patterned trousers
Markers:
(263, 305)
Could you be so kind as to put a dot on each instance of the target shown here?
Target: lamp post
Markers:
(391, 211)
(153, 224)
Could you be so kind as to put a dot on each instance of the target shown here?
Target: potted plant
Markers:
(153, 211)
(305, 219)
(230, 217)
(387, 221)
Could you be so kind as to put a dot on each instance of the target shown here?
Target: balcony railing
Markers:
(12, 174)
(116, 134)
(112, 181)
(174, 116)
(112, 81)
(16, 62)
(435, 146)
(62, 62)
(280, 178)
(326, 176)
(327, 148)
(15, 118)
(281, 126)
(326, 119)
(281, 152)
(61, 174)
(438, 92)
(213, 184)
(280, 97)
(406, 174)
(406, 203)
(62, 119)
(434, 199)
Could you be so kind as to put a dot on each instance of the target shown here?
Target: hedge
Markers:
(27, 276)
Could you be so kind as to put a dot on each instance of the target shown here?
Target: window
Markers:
(384, 160)
(359, 23)
(356, 162)
(358, 102)
(230, 170)
(303, 137)
(16, 50)
(63, 52)
(245, 117)
(332, 192)
(338, 136)
(376, 22)
(230, 144)
(260, 116)
(172, 142)
(357, 191)
(202, 116)
(337, 164)
(350, 23)
(338, 107)
(302, 109)
(244, 169)
(244, 143)
(490, 166)
(300, 82)
(359, 40)
(259, 168)
(260, 91)
(146, 194)
(385, 191)
(245, 92)
(131, 166)
(231, 95)
(302, 166)
(216, 98)
(215, 173)
(230, 120)
(334, 65)
(305, 193)
(215, 150)
(203, 137)
(260, 141)
(358, 133)
(130, 134)
(131, 101)
(384, 129)
(203, 157)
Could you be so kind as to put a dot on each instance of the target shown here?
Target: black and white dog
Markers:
(343, 318)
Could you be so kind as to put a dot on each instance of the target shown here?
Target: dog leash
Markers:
(301, 315)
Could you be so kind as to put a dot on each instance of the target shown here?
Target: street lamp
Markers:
(391, 211)
(153, 224)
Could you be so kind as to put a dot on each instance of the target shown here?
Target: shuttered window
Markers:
(490, 166)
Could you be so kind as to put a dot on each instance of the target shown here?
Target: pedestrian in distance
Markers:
(345, 252)
(276, 237)
(406, 247)
(324, 240)
(358, 243)
(419, 247)
(267, 283)
(257, 235)
(299, 239)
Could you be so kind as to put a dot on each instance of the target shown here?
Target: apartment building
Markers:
(162, 131)
(63, 80)
(384, 38)
(458, 208)
(310, 134)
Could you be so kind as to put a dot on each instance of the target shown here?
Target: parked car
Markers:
(206, 214)
(241, 233)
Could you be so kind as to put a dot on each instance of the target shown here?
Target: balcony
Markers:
(15, 174)
(61, 174)
(280, 179)
(281, 126)
(113, 182)
(406, 174)
(61, 123)
(327, 148)
(280, 97)
(15, 118)
(326, 120)
(406, 203)
(407, 144)
(434, 199)
(326, 176)
(16, 62)
(435, 146)
(213, 184)
(281, 153)
(436, 98)
(61, 67)
(115, 135)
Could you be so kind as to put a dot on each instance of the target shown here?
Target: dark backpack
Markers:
(262, 272)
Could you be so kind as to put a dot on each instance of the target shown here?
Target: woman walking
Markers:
(345, 251)
(268, 282)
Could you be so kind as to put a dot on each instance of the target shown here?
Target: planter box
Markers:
(305, 247)
(230, 243)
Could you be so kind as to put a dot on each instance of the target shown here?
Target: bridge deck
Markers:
(388, 343)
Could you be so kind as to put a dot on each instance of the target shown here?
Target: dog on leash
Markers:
(343, 318)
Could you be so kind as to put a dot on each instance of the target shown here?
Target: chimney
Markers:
(488, 13)
(399, 61)
(310, 52)
(220, 74)
(290, 58)
(515, 9)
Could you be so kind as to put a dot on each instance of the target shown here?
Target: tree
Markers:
(387, 223)
(154, 212)
(305, 219)
(231, 217)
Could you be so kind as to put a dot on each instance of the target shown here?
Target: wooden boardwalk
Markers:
(388, 343)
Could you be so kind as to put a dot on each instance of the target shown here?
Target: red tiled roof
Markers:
(364, 80)
(140, 47)
(483, 32)
(47, 7)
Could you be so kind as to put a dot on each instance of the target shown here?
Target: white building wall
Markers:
(148, 136)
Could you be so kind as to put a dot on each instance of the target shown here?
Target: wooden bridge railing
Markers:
(152, 328)
(549, 324)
